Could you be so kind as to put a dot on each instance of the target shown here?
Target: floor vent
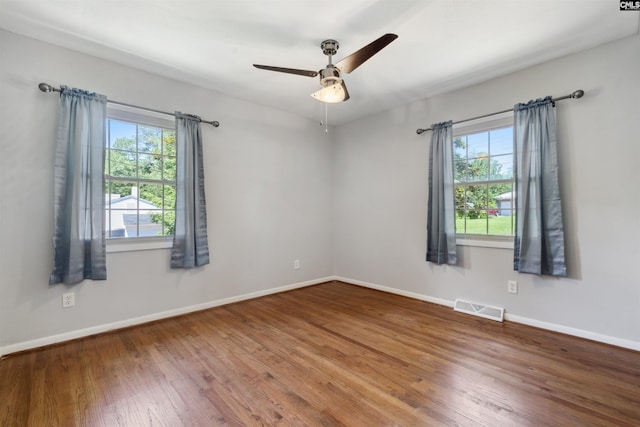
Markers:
(486, 311)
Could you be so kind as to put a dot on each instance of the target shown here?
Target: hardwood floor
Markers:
(332, 355)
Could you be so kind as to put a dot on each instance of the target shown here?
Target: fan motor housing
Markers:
(329, 47)
(329, 74)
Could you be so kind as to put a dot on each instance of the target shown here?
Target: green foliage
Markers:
(168, 220)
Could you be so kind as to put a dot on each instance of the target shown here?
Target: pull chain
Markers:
(326, 118)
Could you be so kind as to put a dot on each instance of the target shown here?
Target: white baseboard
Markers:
(80, 333)
(387, 289)
(593, 336)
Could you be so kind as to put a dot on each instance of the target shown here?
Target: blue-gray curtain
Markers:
(441, 220)
(190, 244)
(79, 241)
(539, 239)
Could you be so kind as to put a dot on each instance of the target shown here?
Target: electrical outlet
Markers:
(296, 264)
(512, 287)
(68, 300)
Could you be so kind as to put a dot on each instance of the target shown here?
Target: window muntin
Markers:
(483, 180)
(140, 180)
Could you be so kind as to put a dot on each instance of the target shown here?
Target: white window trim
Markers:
(482, 241)
(132, 114)
(135, 115)
(480, 125)
(139, 244)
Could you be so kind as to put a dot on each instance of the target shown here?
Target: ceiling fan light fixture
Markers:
(333, 90)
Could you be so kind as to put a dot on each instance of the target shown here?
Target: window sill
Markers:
(139, 244)
(496, 242)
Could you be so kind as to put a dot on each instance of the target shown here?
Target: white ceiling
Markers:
(442, 44)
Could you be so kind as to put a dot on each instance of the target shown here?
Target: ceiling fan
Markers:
(333, 88)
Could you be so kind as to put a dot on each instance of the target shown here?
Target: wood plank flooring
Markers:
(327, 355)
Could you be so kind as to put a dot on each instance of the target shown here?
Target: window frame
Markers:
(141, 117)
(475, 126)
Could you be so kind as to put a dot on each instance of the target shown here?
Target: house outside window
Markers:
(140, 176)
(484, 180)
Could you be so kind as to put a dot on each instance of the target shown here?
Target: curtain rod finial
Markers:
(45, 87)
(577, 94)
(419, 131)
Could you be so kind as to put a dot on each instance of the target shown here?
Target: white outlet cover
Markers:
(68, 299)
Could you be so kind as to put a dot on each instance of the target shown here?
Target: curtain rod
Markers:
(574, 95)
(48, 88)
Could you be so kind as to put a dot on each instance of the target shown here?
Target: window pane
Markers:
(460, 147)
(149, 140)
(150, 223)
(122, 135)
(122, 163)
(120, 189)
(503, 197)
(150, 197)
(169, 142)
(478, 144)
(501, 225)
(502, 167)
(123, 222)
(169, 169)
(478, 170)
(460, 224)
(169, 222)
(169, 197)
(475, 196)
(476, 222)
(149, 166)
(494, 191)
(460, 171)
(501, 141)
(460, 201)
(114, 225)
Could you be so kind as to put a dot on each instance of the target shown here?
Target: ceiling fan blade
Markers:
(346, 92)
(357, 58)
(306, 73)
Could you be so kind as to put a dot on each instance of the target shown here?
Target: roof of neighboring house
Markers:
(129, 197)
(117, 233)
(144, 219)
(506, 196)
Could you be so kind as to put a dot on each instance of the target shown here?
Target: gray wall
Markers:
(380, 176)
(268, 190)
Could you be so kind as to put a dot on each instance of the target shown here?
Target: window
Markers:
(140, 176)
(483, 179)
